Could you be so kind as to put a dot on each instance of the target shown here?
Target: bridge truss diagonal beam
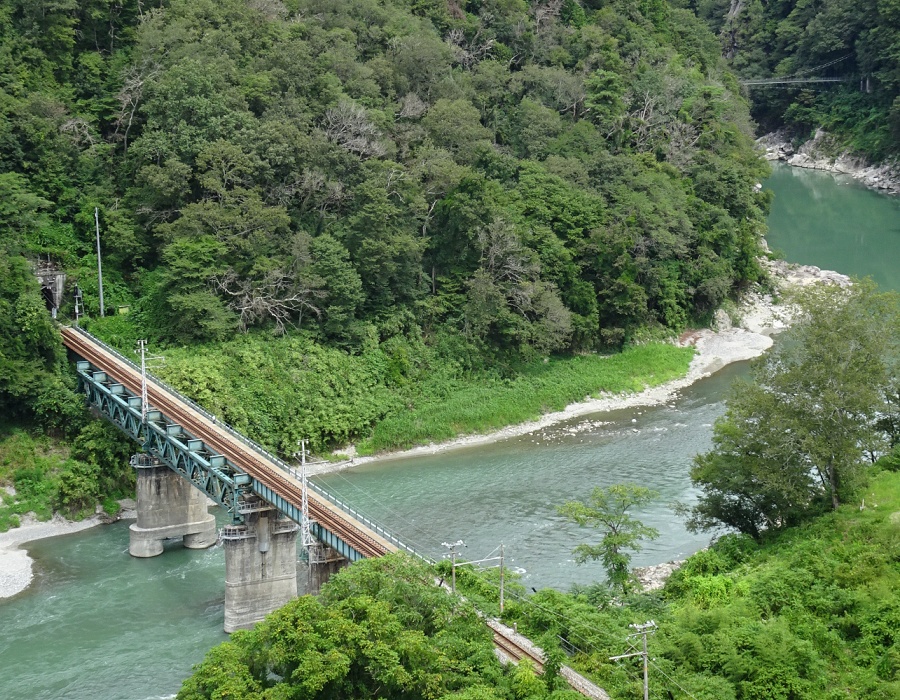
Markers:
(182, 453)
(218, 460)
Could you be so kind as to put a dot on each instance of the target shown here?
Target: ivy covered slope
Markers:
(472, 185)
(859, 40)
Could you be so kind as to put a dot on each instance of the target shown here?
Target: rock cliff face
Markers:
(824, 153)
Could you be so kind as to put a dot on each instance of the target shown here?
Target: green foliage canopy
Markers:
(796, 438)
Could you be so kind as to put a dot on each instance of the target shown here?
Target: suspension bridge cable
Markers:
(824, 65)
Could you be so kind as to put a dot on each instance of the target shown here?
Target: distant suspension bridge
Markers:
(805, 77)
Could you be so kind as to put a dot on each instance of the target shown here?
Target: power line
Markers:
(677, 685)
(430, 535)
(642, 631)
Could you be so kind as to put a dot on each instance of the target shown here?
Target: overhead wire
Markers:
(677, 685)
(430, 535)
(586, 643)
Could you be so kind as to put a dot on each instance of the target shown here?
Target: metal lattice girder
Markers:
(189, 457)
(294, 513)
(222, 481)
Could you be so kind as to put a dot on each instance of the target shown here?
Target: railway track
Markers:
(358, 536)
(515, 647)
(516, 651)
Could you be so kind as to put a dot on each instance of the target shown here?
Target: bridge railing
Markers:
(256, 447)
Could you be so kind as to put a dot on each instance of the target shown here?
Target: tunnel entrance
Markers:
(53, 282)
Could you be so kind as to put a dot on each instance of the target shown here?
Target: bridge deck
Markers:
(359, 536)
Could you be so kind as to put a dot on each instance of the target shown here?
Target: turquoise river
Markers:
(97, 624)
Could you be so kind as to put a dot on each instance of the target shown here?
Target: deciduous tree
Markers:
(607, 509)
(795, 438)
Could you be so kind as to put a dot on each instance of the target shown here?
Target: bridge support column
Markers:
(168, 506)
(260, 568)
(323, 562)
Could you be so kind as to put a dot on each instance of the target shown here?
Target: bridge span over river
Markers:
(189, 456)
(262, 494)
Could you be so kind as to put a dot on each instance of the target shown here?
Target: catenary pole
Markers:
(642, 631)
(501, 578)
(99, 263)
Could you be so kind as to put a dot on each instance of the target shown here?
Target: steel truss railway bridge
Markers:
(189, 456)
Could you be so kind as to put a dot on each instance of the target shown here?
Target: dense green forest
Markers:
(407, 190)
(859, 41)
(529, 179)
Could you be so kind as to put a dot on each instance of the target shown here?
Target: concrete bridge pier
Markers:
(168, 506)
(323, 562)
(260, 568)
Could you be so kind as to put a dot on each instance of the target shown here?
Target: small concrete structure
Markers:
(168, 507)
(260, 566)
(53, 282)
(323, 562)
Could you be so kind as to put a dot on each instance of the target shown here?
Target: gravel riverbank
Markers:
(743, 338)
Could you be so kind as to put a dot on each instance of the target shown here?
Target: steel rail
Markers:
(359, 537)
(221, 426)
(517, 651)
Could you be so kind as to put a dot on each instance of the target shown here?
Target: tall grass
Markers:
(481, 405)
(396, 395)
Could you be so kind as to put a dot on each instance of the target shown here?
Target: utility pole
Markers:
(142, 344)
(306, 538)
(453, 566)
(452, 547)
(99, 263)
(145, 402)
(642, 631)
(501, 578)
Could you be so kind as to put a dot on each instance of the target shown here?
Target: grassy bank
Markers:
(41, 474)
(484, 404)
(390, 396)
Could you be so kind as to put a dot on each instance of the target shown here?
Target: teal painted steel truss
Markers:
(223, 481)
(212, 473)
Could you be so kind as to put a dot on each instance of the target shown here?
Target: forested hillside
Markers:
(448, 191)
(543, 177)
(832, 38)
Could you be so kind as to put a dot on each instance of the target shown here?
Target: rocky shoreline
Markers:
(823, 152)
